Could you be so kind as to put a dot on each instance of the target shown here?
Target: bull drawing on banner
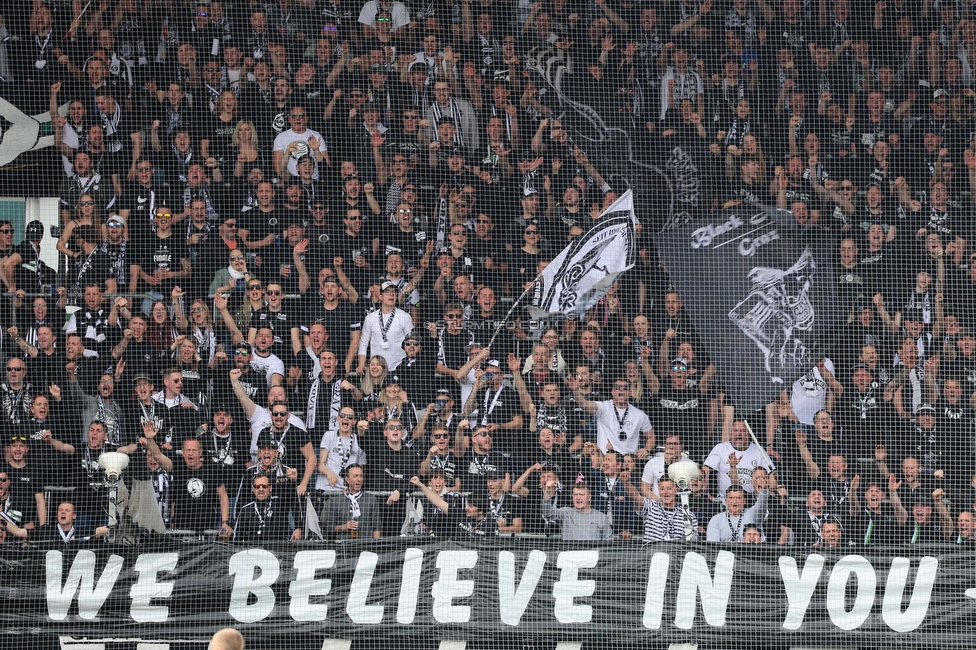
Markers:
(776, 310)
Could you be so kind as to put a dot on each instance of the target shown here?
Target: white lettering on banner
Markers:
(512, 600)
(448, 587)
(357, 609)
(867, 583)
(657, 576)
(685, 175)
(895, 593)
(254, 571)
(704, 235)
(748, 247)
(569, 586)
(799, 586)
(696, 579)
(80, 582)
(413, 564)
(148, 587)
(305, 585)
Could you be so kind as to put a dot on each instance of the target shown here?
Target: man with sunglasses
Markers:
(280, 423)
(265, 519)
(163, 260)
(416, 369)
(384, 330)
(391, 464)
(620, 425)
(338, 450)
(327, 395)
(296, 142)
(24, 486)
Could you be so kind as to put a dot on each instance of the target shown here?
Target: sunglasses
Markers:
(394, 427)
(453, 316)
(242, 353)
(6, 231)
(620, 387)
(4, 479)
(273, 292)
(236, 258)
(437, 436)
(261, 486)
(279, 414)
(196, 310)
(354, 217)
(202, 14)
(164, 215)
(679, 367)
(405, 211)
(458, 232)
(115, 225)
(230, 224)
(411, 343)
(15, 368)
(144, 169)
(347, 416)
(254, 287)
(384, 19)
(86, 203)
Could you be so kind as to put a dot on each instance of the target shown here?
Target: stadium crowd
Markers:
(291, 228)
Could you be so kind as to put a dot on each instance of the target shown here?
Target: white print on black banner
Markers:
(778, 307)
(693, 590)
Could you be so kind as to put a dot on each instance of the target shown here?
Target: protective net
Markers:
(489, 324)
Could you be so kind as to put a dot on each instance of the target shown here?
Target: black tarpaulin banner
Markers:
(762, 287)
(535, 592)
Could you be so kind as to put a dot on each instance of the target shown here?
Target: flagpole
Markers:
(510, 311)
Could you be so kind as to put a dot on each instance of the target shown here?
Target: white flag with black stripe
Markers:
(588, 267)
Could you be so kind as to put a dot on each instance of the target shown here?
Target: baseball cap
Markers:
(925, 409)
(116, 219)
(495, 363)
(387, 285)
(265, 440)
(142, 377)
(35, 229)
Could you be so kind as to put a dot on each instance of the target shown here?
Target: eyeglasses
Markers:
(261, 486)
(824, 418)
(254, 287)
(86, 203)
(242, 353)
(297, 115)
(279, 414)
(15, 368)
(236, 258)
(394, 427)
(196, 310)
(347, 416)
(620, 386)
(273, 292)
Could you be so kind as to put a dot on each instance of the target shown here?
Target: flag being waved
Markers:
(588, 267)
